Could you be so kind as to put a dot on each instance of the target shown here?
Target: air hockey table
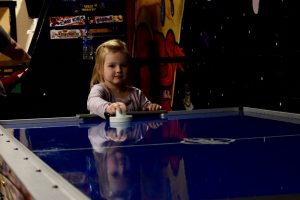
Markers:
(222, 153)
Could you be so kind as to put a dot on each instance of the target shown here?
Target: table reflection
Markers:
(126, 171)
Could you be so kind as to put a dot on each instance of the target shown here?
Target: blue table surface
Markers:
(223, 157)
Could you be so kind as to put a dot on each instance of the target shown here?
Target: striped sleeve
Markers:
(139, 99)
(98, 100)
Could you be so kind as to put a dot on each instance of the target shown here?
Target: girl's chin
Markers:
(119, 81)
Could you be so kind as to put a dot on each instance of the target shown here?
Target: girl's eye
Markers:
(121, 65)
(115, 174)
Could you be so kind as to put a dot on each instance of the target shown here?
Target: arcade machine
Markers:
(63, 45)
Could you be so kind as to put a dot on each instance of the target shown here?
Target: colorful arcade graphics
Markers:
(157, 35)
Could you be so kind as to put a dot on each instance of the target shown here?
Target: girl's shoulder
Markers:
(100, 87)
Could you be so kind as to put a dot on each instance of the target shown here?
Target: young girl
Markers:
(110, 89)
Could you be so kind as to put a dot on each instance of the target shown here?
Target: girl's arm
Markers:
(98, 100)
(146, 103)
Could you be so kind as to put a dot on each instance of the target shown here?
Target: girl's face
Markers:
(119, 172)
(115, 69)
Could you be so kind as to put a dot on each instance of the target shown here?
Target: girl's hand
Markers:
(152, 107)
(154, 125)
(114, 136)
(113, 107)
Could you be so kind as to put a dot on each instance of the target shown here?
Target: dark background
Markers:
(241, 58)
(233, 58)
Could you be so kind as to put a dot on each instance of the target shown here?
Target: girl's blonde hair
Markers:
(114, 45)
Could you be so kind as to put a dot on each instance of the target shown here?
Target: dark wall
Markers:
(237, 57)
